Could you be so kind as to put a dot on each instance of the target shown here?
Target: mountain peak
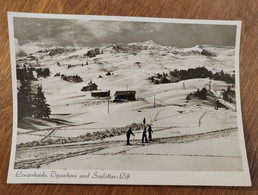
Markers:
(149, 43)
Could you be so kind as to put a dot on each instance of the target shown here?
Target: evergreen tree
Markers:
(229, 89)
(203, 94)
(46, 72)
(43, 72)
(164, 79)
(40, 107)
(23, 73)
(24, 99)
(226, 96)
(152, 79)
(30, 74)
(198, 92)
(230, 100)
(156, 81)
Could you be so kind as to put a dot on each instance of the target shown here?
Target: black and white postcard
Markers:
(126, 100)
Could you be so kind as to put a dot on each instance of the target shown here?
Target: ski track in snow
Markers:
(199, 121)
(156, 116)
(58, 152)
(54, 128)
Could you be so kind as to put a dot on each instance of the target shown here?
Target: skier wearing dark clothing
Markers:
(150, 133)
(144, 135)
(144, 121)
(128, 134)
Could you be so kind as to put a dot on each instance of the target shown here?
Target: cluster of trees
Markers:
(25, 73)
(202, 94)
(191, 73)
(24, 99)
(221, 76)
(108, 73)
(229, 94)
(30, 103)
(40, 107)
(70, 78)
(199, 72)
(43, 72)
(161, 78)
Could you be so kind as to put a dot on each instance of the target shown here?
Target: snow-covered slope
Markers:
(187, 133)
(131, 65)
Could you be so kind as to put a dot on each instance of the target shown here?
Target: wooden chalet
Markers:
(90, 87)
(100, 93)
(125, 95)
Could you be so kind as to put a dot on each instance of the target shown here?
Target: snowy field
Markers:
(216, 154)
(188, 135)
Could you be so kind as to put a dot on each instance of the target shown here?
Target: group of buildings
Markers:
(128, 95)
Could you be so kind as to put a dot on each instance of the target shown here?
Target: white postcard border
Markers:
(200, 178)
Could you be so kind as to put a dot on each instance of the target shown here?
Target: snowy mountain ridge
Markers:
(130, 47)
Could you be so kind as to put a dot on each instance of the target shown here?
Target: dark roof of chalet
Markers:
(125, 92)
(91, 84)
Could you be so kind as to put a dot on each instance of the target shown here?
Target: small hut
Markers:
(90, 87)
(100, 93)
(125, 95)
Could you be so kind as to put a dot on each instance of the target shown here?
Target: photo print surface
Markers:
(112, 96)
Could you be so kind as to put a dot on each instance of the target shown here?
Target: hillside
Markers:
(130, 66)
(80, 119)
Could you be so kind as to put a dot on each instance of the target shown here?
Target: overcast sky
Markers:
(33, 34)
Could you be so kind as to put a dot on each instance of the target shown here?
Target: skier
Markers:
(144, 120)
(128, 134)
(150, 133)
(217, 105)
(144, 135)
